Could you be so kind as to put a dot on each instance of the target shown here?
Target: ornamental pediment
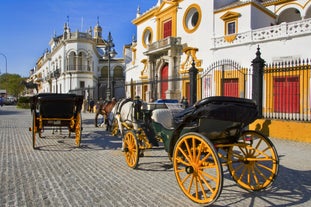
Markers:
(230, 15)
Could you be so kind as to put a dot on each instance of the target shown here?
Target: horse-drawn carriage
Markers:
(56, 110)
(200, 140)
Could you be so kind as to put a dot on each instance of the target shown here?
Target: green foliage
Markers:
(12, 84)
(23, 102)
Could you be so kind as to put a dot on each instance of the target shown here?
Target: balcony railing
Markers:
(78, 67)
(163, 44)
(281, 31)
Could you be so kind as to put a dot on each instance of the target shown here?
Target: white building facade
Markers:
(173, 33)
(75, 63)
(222, 38)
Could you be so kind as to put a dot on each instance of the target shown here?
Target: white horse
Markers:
(121, 116)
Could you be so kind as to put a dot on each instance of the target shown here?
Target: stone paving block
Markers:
(96, 174)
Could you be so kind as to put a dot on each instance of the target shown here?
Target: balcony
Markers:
(163, 45)
(78, 68)
(277, 32)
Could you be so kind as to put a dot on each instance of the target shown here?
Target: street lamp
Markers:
(108, 54)
(56, 76)
(6, 67)
(6, 62)
(70, 81)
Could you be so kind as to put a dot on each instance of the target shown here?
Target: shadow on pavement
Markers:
(281, 191)
(10, 111)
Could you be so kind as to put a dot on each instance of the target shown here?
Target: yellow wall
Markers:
(291, 130)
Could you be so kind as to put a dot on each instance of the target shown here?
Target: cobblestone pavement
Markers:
(58, 174)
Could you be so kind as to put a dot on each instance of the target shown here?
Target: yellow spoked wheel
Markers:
(131, 149)
(78, 129)
(253, 162)
(197, 168)
(34, 130)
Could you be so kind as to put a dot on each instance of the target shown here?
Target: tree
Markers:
(12, 84)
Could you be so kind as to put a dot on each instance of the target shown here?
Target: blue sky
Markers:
(26, 26)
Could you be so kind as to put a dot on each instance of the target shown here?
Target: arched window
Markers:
(289, 15)
(118, 72)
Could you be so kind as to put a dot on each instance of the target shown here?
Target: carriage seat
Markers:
(165, 117)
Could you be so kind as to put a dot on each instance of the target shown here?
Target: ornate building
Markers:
(76, 63)
(222, 38)
(220, 34)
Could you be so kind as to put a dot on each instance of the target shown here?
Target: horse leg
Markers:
(96, 117)
(107, 123)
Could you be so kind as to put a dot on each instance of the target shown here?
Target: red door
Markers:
(231, 87)
(286, 94)
(164, 82)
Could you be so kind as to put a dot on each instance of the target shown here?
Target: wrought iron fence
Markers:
(287, 90)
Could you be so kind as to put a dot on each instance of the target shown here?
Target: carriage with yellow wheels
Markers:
(203, 138)
(56, 110)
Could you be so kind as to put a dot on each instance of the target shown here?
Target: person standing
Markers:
(92, 103)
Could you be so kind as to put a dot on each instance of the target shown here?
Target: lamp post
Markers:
(6, 67)
(70, 74)
(56, 76)
(6, 62)
(108, 54)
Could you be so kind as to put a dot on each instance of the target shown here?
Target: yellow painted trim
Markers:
(134, 55)
(285, 5)
(263, 9)
(269, 3)
(198, 8)
(142, 73)
(290, 130)
(230, 74)
(191, 55)
(165, 15)
(228, 18)
(145, 17)
(143, 36)
(230, 38)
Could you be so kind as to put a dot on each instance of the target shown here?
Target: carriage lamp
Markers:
(56, 76)
(108, 54)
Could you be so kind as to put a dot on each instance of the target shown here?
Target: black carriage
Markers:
(201, 139)
(56, 110)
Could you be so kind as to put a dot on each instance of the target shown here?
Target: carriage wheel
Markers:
(197, 168)
(253, 162)
(78, 129)
(34, 130)
(131, 149)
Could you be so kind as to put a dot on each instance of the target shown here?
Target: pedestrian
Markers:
(92, 105)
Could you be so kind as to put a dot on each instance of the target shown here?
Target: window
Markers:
(82, 84)
(192, 18)
(230, 28)
(167, 29)
(231, 25)
(147, 36)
